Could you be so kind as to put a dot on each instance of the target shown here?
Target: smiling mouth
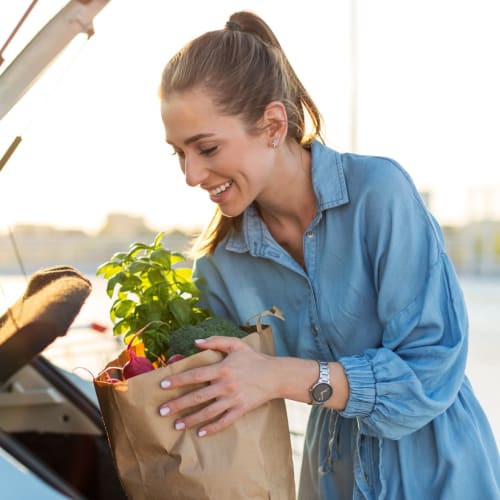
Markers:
(220, 189)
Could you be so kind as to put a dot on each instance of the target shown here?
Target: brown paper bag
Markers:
(252, 459)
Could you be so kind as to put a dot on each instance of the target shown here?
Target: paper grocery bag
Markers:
(251, 459)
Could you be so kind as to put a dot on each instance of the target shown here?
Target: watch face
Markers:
(322, 393)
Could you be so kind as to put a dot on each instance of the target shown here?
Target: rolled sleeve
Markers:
(362, 393)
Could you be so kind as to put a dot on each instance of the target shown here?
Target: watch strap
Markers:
(324, 373)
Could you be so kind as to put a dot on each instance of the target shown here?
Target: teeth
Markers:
(220, 189)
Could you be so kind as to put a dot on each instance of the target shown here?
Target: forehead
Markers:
(186, 114)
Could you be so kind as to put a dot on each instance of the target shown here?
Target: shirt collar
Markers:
(329, 186)
(328, 177)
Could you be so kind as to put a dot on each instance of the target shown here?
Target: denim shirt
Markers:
(378, 294)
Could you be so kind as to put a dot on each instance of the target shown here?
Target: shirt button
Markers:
(310, 234)
(314, 330)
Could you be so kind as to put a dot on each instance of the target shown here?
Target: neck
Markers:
(289, 205)
(290, 200)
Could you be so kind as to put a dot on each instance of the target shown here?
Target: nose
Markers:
(194, 172)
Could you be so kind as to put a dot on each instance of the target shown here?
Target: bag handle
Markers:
(273, 311)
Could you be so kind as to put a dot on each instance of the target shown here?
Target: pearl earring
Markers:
(274, 144)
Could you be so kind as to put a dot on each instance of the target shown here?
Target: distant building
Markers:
(473, 248)
(32, 247)
(124, 225)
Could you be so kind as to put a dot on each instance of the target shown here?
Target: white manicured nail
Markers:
(180, 425)
(202, 433)
(165, 384)
(164, 411)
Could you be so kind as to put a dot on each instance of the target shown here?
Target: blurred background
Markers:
(414, 81)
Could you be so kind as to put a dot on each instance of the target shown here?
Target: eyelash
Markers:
(208, 151)
(203, 152)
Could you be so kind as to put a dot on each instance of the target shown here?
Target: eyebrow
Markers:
(195, 138)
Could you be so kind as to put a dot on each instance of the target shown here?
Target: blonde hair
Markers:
(243, 68)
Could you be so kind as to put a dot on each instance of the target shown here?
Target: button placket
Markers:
(310, 259)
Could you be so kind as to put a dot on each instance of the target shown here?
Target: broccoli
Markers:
(181, 341)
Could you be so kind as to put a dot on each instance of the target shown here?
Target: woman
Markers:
(375, 336)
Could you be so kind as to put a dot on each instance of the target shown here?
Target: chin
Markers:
(231, 212)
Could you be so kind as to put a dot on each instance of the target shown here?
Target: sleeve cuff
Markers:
(362, 392)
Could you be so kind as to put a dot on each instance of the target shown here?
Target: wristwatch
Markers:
(321, 391)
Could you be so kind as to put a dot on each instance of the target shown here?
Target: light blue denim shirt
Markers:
(379, 295)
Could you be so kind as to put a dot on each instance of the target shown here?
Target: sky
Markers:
(421, 89)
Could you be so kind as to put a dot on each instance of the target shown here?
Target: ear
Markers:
(275, 122)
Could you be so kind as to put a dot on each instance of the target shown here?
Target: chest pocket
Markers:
(353, 324)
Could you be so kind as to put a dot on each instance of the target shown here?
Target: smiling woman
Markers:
(329, 237)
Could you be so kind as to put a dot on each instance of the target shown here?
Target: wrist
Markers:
(294, 377)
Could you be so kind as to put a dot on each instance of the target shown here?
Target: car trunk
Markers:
(49, 418)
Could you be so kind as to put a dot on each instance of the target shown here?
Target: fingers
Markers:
(220, 343)
(206, 373)
(216, 416)
(212, 408)
(216, 410)
(228, 418)
(190, 377)
(191, 400)
(219, 393)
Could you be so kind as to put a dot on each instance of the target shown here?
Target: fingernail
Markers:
(202, 433)
(180, 425)
(164, 384)
(164, 411)
(199, 341)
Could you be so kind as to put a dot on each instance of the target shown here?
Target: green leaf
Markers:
(130, 283)
(162, 257)
(163, 292)
(184, 274)
(138, 266)
(157, 240)
(156, 277)
(135, 250)
(151, 311)
(108, 269)
(114, 281)
(124, 308)
(121, 328)
(177, 257)
(118, 257)
(181, 311)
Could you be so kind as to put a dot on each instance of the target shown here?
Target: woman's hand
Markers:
(242, 381)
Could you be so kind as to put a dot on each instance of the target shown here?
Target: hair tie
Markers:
(232, 26)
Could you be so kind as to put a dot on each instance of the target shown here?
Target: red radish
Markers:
(174, 358)
(136, 364)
